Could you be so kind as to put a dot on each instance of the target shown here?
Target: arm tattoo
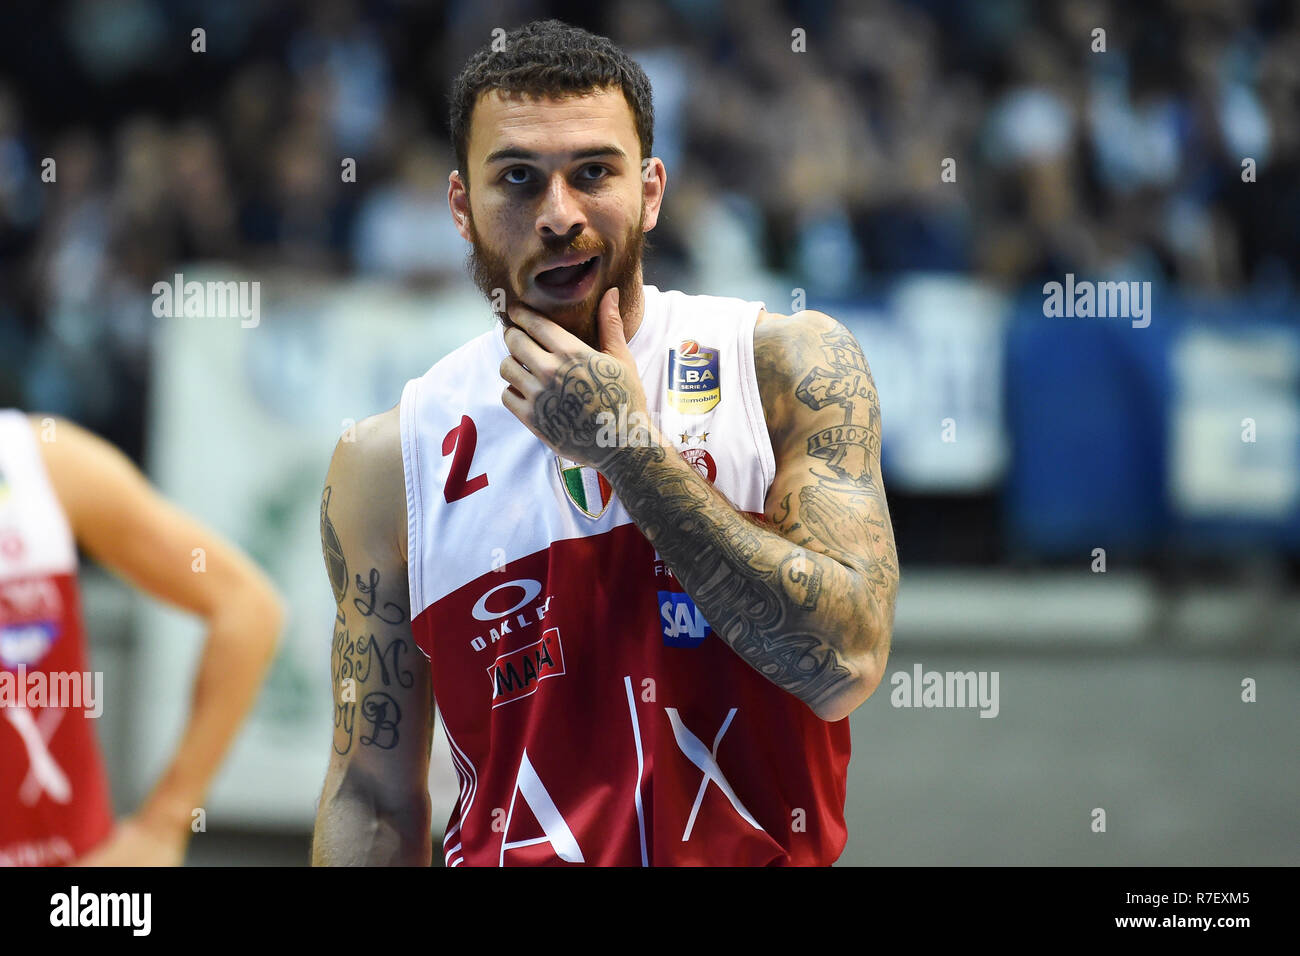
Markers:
(394, 614)
(568, 413)
(847, 448)
(848, 506)
(806, 595)
(391, 655)
(383, 714)
(736, 571)
(364, 664)
(335, 563)
(344, 660)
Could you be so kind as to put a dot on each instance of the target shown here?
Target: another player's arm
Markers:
(125, 525)
(375, 806)
(807, 600)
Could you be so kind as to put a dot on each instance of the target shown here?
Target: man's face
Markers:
(557, 206)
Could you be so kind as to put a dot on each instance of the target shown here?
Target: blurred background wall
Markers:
(920, 170)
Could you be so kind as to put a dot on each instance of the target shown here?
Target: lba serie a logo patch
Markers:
(693, 385)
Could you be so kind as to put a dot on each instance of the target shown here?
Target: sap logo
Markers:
(26, 644)
(517, 675)
(523, 591)
(684, 625)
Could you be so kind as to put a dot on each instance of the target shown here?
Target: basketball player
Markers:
(61, 486)
(649, 579)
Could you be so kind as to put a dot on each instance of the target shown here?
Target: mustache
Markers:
(557, 247)
(502, 283)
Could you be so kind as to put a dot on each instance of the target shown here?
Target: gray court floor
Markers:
(1186, 772)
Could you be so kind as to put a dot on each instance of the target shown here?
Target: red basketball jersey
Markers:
(54, 798)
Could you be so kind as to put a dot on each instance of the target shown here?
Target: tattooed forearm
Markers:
(802, 579)
(786, 611)
(806, 599)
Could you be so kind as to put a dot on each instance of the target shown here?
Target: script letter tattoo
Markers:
(367, 607)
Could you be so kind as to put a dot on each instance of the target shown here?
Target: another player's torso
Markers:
(593, 717)
(54, 803)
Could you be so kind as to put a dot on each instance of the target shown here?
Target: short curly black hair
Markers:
(549, 58)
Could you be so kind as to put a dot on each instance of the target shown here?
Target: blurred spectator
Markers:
(815, 165)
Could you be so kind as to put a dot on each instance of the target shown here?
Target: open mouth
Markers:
(567, 281)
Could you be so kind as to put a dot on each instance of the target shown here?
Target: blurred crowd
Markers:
(803, 139)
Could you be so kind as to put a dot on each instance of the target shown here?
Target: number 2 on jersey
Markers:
(462, 439)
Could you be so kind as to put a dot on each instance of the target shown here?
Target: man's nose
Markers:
(560, 214)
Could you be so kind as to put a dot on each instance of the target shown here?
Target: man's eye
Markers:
(518, 171)
(592, 173)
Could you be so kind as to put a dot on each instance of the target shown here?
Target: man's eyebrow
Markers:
(515, 152)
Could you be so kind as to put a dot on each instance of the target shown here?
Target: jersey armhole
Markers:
(407, 422)
(752, 398)
(58, 547)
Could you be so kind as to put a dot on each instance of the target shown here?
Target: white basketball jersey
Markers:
(718, 421)
(576, 679)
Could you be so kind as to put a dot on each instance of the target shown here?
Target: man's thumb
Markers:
(612, 339)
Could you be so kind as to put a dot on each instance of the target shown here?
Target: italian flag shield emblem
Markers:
(585, 486)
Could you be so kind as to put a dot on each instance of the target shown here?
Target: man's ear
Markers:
(458, 202)
(654, 180)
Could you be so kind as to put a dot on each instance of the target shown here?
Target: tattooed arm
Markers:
(807, 601)
(807, 598)
(375, 807)
(828, 497)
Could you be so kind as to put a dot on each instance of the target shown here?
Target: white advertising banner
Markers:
(244, 419)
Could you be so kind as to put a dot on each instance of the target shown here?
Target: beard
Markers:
(491, 271)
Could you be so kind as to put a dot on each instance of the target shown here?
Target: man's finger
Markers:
(521, 408)
(613, 337)
(515, 403)
(522, 380)
(528, 353)
(549, 334)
